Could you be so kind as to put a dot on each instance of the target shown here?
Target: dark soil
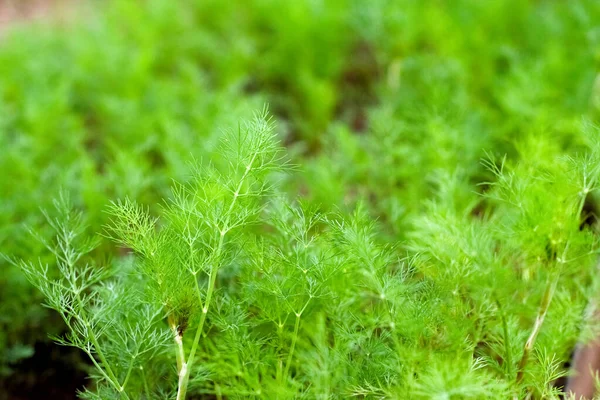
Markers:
(52, 373)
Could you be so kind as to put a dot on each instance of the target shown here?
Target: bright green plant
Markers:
(237, 292)
(106, 321)
(389, 108)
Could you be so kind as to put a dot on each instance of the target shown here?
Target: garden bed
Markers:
(297, 199)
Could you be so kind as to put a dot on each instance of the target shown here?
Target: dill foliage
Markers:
(234, 290)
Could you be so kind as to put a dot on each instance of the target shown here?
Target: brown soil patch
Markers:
(17, 11)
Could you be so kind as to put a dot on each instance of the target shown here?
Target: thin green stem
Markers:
(145, 382)
(507, 346)
(293, 346)
(581, 205)
(102, 358)
(101, 370)
(539, 320)
(218, 392)
(92, 336)
(211, 286)
(239, 187)
(124, 385)
(280, 358)
(194, 273)
(198, 292)
(184, 372)
(113, 379)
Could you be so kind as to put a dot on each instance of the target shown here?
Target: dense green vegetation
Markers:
(410, 217)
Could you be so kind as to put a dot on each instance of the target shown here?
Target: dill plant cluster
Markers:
(413, 219)
(236, 290)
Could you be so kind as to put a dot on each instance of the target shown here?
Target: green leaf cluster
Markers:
(419, 223)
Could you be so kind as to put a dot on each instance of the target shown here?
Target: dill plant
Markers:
(178, 260)
(426, 99)
(106, 321)
(524, 269)
(481, 298)
(236, 291)
(182, 260)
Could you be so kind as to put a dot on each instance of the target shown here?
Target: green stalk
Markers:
(146, 389)
(184, 372)
(178, 344)
(507, 350)
(539, 320)
(112, 378)
(83, 317)
(128, 373)
(218, 392)
(293, 346)
(279, 358)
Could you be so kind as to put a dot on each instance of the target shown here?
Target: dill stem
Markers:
(211, 286)
(103, 360)
(112, 378)
(539, 320)
(198, 291)
(179, 345)
(92, 336)
(580, 206)
(293, 346)
(146, 389)
(218, 392)
(280, 358)
(108, 378)
(184, 372)
(128, 373)
(507, 349)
